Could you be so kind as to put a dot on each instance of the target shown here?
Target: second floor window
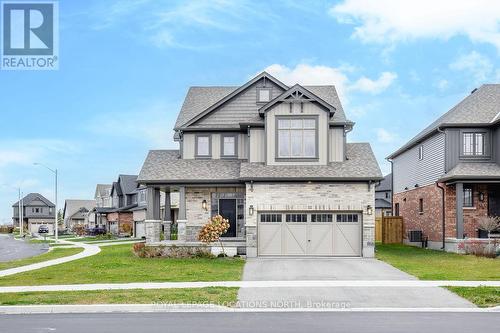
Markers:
(473, 144)
(297, 138)
(228, 146)
(421, 152)
(203, 146)
(421, 206)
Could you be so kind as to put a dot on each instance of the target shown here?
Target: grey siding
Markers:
(496, 145)
(242, 108)
(408, 170)
(454, 150)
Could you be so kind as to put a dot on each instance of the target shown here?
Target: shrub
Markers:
(213, 229)
(79, 229)
(481, 248)
(126, 228)
(143, 251)
(489, 223)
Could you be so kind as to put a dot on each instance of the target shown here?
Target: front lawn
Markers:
(117, 264)
(54, 254)
(481, 296)
(437, 265)
(211, 295)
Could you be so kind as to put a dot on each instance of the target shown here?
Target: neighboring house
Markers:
(274, 161)
(77, 212)
(448, 176)
(103, 205)
(383, 197)
(124, 199)
(36, 210)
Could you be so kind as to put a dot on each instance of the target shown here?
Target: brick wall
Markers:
(430, 221)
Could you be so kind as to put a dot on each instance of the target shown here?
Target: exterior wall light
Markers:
(481, 196)
(369, 210)
(204, 205)
(250, 210)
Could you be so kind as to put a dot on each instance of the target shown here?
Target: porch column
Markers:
(182, 220)
(153, 222)
(459, 191)
(167, 219)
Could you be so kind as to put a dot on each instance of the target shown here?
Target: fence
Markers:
(378, 229)
(391, 229)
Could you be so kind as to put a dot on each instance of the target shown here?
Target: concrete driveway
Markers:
(301, 269)
(11, 249)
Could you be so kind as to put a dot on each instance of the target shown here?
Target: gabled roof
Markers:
(382, 203)
(186, 121)
(385, 184)
(73, 206)
(103, 190)
(480, 108)
(32, 197)
(126, 184)
(297, 92)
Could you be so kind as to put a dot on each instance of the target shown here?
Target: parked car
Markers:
(43, 229)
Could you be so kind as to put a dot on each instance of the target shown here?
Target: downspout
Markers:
(443, 212)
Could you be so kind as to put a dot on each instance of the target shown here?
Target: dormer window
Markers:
(263, 95)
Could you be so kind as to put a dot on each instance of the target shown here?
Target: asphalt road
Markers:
(275, 322)
(11, 249)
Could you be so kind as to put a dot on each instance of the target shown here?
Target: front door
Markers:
(494, 200)
(227, 209)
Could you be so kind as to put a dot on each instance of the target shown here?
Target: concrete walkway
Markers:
(88, 250)
(265, 285)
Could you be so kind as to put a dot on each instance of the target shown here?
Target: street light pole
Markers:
(20, 214)
(56, 231)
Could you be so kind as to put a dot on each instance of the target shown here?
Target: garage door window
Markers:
(270, 217)
(296, 217)
(321, 218)
(347, 217)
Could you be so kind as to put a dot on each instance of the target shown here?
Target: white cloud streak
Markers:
(393, 21)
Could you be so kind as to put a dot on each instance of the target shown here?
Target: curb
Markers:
(205, 308)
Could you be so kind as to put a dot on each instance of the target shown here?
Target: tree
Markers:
(60, 219)
(213, 230)
(489, 223)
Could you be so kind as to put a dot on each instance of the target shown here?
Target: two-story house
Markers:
(272, 159)
(448, 176)
(124, 197)
(36, 211)
(77, 212)
(383, 197)
(102, 206)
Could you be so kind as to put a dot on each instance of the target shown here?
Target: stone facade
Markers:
(196, 216)
(311, 197)
(430, 220)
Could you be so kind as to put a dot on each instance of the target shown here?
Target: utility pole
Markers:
(56, 227)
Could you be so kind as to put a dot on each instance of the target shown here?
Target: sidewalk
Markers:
(251, 284)
(88, 250)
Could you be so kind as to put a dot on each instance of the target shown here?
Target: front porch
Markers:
(197, 203)
(464, 212)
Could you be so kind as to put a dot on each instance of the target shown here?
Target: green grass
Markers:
(211, 295)
(437, 265)
(481, 296)
(115, 264)
(54, 254)
(41, 241)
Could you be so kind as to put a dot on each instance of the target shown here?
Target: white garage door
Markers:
(309, 234)
(140, 229)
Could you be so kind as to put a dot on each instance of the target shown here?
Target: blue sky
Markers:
(125, 67)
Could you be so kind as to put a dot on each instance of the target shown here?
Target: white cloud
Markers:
(475, 64)
(385, 136)
(391, 21)
(442, 84)
(147, 124)
(306, 74)
(365, 84)
(26, 152)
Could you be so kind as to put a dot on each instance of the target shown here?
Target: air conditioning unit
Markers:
(415, 235)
